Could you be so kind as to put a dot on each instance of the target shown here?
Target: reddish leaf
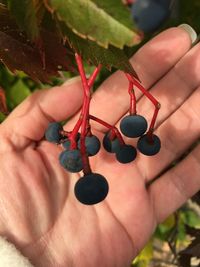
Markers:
(18, 53)
(59, 56)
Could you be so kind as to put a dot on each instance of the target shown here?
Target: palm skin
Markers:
(38, 210)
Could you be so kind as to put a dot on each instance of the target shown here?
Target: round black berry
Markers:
(91, 189)
(126, 154)
(149, 147)
(111, 146)
(52, 133)
(92, 145)
(66, 144)
(133, 125)
(71, 160)
(148, 15)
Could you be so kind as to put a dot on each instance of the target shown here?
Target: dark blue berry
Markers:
(133, 125)
(66, 144)
(71, 160)
(91, 189)
(163, 3)
(149, 146)
(92, 145)
(148, 15)
(52, 133)
(111, 146)
(126, 154)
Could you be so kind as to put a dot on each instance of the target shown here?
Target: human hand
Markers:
(38, 210)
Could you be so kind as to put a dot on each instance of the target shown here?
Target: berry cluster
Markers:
(79, 146)
(92, 187)
(148, 15)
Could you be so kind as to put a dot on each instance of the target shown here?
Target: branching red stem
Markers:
(92, 78)
(73, 135)
(84, 116)
(151, 98)
(115, 132)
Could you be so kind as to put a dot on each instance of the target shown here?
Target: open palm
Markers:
(38, 210)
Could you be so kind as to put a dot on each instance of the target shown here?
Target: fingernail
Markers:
(72, 80)
(192, 33)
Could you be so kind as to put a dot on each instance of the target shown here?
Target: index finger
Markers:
(30, 119)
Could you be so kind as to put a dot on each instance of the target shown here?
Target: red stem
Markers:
(65, 133)
(84, 116)
(94, 75)
(129, 2)
(131, 92)
(91, 81)
(115, 132)
(151, 98)
(73, 135)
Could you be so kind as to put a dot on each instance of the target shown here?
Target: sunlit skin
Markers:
(38, 210)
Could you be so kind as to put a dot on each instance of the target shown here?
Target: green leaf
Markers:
(145, 255)
(2, 117)
(6, 77)
(163, 229)
(95, 54)
(17, 93)
(116, 10)
(26, 16)
(191, 218)
(88, 20)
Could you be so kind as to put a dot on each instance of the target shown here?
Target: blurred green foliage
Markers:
(172, 228)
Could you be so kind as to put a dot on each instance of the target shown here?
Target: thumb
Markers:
(30, 119)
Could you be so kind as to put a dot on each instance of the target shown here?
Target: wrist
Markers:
(49, 253)
(10, 256)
